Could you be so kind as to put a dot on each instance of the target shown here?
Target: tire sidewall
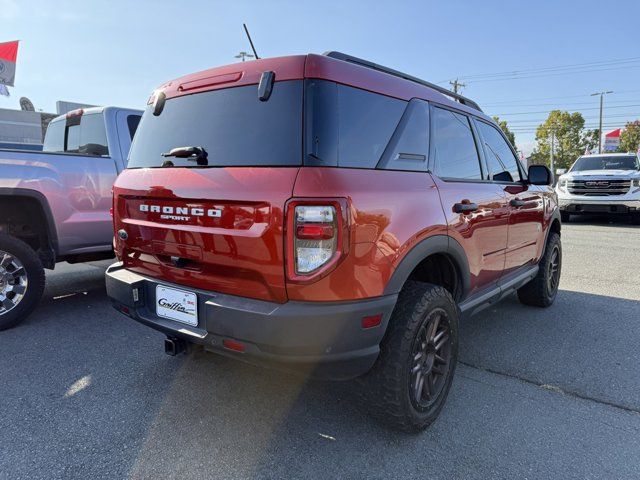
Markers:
(35, 278)
(554, 242)
(424, 417)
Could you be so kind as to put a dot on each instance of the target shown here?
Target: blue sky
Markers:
(117, 52)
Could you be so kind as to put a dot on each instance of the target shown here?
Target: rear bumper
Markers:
(323, 340)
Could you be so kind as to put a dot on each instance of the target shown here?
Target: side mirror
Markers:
(561, 171)
(540, 175)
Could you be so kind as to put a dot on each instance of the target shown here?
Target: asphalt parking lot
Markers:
(87, 393)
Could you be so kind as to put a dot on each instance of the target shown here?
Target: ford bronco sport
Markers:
(325, 213)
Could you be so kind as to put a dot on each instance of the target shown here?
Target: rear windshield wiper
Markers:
(197, 154)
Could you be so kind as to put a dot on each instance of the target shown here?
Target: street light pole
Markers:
(553, 145)
(242, 55)
(602, 94)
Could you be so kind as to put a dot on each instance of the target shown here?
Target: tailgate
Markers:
(218, 229)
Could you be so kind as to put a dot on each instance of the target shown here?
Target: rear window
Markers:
(84, 135)
(233, 126)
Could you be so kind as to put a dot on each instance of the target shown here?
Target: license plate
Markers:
(176, 305)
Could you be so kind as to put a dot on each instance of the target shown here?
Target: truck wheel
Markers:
(21, 281)
(565, 217)
(542, 290)
(410, 381)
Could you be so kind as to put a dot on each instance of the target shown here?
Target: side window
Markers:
(454, 150)
(93, 137)
(54, 137)
(132, 122)
(409, 145)
(502, 163)
(366, 122)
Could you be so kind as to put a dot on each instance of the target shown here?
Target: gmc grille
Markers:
(598, 188)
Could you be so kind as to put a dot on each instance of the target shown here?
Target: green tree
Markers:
(570, 140)
(504, 127)
(630, 137)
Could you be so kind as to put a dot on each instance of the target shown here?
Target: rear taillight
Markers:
(315, 237)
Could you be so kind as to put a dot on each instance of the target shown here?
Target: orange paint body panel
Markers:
(390, 212)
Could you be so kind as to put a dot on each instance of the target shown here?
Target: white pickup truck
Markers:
(606, 183)
(54, 204)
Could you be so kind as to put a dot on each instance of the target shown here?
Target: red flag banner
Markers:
(8, 55)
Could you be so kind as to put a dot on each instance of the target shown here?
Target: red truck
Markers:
(327, 214)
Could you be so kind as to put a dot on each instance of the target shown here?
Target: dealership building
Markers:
(24, 129)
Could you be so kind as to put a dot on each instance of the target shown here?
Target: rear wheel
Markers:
(21, 281)
(565, 217)
(410, 381)
(542, 290)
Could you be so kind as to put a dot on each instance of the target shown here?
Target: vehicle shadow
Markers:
(78, 373)
(606, 220)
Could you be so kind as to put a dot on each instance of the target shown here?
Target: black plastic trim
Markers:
(50, 225)
(430, 246)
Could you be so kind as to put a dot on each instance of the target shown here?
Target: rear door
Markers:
(526, 202)
(476, 209)
(217, 226)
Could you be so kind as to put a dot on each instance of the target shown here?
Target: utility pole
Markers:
(242, 55)
(602, 94)
(456, 85)
(553, 145)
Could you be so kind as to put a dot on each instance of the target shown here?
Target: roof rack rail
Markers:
(365, 63)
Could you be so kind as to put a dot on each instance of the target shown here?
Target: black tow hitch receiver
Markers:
(173, 346)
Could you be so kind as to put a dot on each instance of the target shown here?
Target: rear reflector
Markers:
(315, 232)
(233, 345)
(371, 321)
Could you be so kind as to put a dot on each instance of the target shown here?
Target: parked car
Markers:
(327, 214)
(606, 183)
(54, 204)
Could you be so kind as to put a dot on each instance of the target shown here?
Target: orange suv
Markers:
(327, 214)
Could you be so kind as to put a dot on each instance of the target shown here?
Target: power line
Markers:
(553, 70)
(522, 77)
(502, 102)
(547, 111)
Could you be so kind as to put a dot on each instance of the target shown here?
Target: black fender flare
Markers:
(554, 216)
(50, 225)
(443, 244)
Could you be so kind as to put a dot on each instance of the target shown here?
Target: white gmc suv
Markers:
(605, 183)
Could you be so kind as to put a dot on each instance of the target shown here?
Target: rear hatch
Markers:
(217, 226)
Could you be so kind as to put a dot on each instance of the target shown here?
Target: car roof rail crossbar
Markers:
(365, 63)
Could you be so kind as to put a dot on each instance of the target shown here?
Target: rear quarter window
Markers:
(346, 126)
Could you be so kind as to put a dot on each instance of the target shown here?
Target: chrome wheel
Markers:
(13, 282)
(553, 273)
(431, 360)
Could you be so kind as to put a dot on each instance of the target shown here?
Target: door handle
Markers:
(465, 207)
(516, 202)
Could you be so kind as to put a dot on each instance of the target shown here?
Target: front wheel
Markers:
(21, 281)
(410, 381)
(542, 290)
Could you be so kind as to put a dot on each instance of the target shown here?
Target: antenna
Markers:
(246, 30)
